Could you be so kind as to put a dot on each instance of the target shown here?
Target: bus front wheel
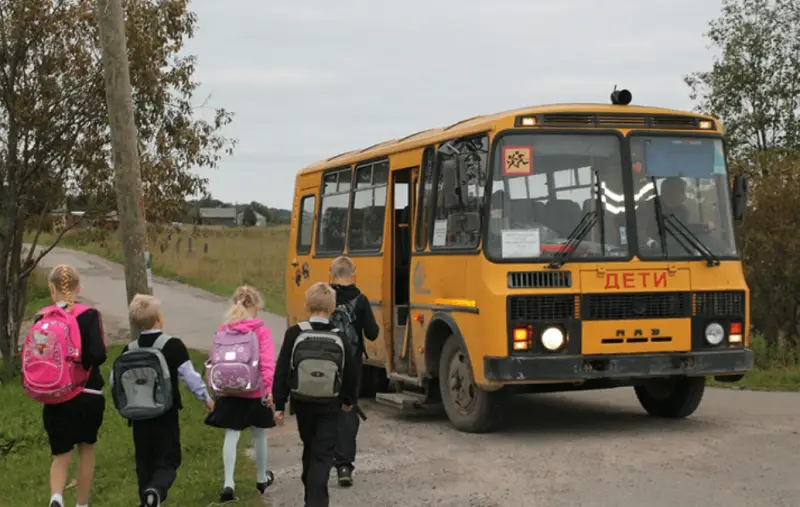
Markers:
(469, 408)
(675, 397)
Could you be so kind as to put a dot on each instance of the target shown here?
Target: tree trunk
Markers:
(124, 142)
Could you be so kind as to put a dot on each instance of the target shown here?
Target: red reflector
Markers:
(736, 328)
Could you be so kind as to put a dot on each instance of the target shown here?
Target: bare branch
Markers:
(29, 269)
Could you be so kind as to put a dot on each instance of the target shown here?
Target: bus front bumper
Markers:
(630, 366)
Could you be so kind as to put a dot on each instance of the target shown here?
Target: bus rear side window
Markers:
(305, 227)
(333, 212)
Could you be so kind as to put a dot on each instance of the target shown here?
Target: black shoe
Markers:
(152, 498)
(345, 475)
(227, 495)
(262, 486)
(55, 504)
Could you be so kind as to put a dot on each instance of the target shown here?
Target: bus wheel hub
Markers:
(462, 389)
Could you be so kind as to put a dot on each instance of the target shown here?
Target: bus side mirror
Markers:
(739, 197)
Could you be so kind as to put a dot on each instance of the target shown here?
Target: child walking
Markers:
(240, 370)
(150, 399)
(315, 369)
(77, 421)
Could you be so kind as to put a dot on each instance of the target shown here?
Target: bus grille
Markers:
(537, 308)
(540, 280)
(720, 304)
(663, 305)
(674, 122)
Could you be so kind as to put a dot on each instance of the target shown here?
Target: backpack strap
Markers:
(305, 326)
(161, 341)
(134, 345)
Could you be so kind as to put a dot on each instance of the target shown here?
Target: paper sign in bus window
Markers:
(517, 160)
(521, 243)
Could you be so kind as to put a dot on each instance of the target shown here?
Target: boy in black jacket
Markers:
(157, 442)
(343, 272)
(316, 422)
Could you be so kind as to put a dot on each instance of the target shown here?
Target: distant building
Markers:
(261, 220)
(218, 216)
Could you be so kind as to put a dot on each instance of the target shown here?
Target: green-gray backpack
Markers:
(142, 386)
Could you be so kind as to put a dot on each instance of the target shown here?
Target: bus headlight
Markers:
(552, 339)
(715, 333)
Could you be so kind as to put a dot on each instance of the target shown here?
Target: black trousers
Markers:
(349, 422)
(157, 445)
(317, 428)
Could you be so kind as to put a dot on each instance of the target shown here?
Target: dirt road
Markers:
(596, 449)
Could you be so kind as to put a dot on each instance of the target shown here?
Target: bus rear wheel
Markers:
(674, 398)
(469, 408)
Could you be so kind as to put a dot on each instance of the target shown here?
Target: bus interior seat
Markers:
(563, 215)
(334, 221)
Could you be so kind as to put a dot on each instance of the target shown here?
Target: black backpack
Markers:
(344, 319)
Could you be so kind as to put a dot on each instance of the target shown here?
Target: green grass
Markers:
(25, 456)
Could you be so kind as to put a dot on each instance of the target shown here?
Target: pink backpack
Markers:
(233, 364)
(51, 354)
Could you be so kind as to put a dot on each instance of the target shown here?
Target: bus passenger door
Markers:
(403, 199)
(301, 238)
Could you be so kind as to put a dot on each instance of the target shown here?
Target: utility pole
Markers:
(125, 146)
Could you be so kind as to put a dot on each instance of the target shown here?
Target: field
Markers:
(258, 257)
(219, 261)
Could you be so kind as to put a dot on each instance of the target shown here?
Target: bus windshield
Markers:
(688, 177)
(542, 188)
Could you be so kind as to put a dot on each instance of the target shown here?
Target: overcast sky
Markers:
(308, 79)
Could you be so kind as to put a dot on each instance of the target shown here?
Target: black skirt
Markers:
(234, 413)
(74, 422)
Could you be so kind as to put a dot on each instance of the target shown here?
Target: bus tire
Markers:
(469, 408)
(673, 398)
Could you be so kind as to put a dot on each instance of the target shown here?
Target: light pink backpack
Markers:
(51, 357)
(233, 364)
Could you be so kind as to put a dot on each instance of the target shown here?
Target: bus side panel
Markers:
(300, 269)
(370, 280)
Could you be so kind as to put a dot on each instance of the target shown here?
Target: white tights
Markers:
(229, 455)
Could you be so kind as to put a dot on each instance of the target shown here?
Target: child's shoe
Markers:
(262, 486)
(152, 498)
(345, 476)
(227, 495)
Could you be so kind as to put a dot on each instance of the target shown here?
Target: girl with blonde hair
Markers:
(243, 390)
(76, 422)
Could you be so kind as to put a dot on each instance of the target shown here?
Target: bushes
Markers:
(770, 245)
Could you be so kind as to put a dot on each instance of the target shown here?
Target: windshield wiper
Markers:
(672, 224)
(679, 229)
(580, 231)
(662, 235)
(574, 239)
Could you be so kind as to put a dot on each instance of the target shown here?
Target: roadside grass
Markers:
(25, 455)
(258, 256)
(777, 368)
(235, 256)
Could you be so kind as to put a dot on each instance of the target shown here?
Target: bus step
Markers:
(406, 379)
(404, 401)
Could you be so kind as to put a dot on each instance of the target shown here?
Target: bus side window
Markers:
(424, 199)
(333, 211)
(369, 207)
(305, 224)
(461, 185)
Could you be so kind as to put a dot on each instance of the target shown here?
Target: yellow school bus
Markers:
(551, 248)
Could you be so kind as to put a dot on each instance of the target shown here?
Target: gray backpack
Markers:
(317, 365)
(142, 384)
